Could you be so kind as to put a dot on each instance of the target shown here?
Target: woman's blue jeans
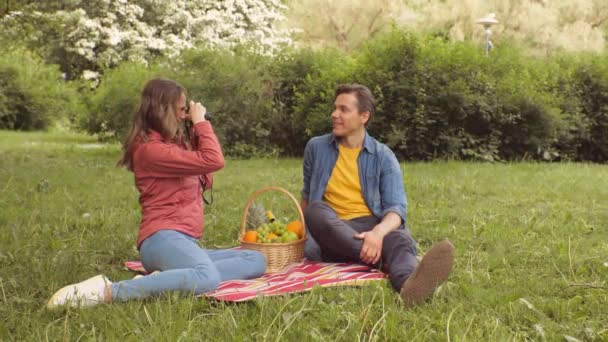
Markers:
(186, 267)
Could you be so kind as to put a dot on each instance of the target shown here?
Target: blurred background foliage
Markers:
(541, 94)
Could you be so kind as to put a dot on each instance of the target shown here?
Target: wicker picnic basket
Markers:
(278, 255)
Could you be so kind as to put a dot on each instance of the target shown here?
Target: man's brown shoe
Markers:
(433, 269)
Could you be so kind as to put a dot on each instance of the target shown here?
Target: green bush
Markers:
(237, 89)
(447, 100)
(33, 95)
(591, 79)
(440, 99)
(529, 117)
(114, 102)
(303, 95)
(387, 66)
(436, 99)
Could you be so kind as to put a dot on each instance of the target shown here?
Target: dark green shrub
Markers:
(529, 117)
(436, 99)
(12, 100)
(115, 100)
(591, 79)
(388, 67)
(33, 95)
(447, 100)
(237, 89)
(303, 95)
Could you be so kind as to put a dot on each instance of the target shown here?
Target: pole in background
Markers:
(487, 23)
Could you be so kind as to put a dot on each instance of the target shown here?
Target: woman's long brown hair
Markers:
(156, 112)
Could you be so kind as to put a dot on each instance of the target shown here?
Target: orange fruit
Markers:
(271, 236)
(251, 236)
(296, 227)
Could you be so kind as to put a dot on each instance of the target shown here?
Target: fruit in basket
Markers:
(251, 236)
(256, 216)
(271, 237)
(270, 216)
(296, 227)
(275, 232)
(289, 237)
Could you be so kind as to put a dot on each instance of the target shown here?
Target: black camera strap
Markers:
(204, 187)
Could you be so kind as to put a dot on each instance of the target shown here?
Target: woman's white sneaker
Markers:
(87, 293)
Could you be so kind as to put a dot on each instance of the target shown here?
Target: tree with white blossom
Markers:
(86, 37)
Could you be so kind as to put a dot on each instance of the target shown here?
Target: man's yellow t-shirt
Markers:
(343, 191)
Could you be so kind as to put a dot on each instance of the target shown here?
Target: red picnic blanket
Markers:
(298, 277)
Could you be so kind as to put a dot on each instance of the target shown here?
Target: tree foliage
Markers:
(33, 94)
(86, 37)
(436, 99)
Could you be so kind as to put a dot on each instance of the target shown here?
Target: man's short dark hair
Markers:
(365, 100)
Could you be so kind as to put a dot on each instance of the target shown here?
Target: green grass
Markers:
(531, 240)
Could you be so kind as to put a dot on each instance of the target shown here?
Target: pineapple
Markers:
(256, 216)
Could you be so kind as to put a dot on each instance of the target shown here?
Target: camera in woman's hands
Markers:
(207, 113)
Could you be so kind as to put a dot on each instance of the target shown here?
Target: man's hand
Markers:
(371, 252)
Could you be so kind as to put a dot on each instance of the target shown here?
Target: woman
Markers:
(168, 170)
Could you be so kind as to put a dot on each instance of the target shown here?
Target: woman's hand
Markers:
(197, 112)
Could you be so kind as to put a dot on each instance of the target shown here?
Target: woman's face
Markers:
(180, 108)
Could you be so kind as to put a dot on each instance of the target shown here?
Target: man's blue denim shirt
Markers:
(379, 173)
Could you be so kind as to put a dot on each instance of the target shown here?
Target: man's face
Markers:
(346, 119)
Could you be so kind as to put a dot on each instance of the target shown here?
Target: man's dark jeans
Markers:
(337, 242)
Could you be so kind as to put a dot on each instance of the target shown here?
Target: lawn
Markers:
(531, 246)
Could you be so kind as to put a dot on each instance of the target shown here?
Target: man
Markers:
(354, 202)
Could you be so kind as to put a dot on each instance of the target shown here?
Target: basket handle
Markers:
(271, 188)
